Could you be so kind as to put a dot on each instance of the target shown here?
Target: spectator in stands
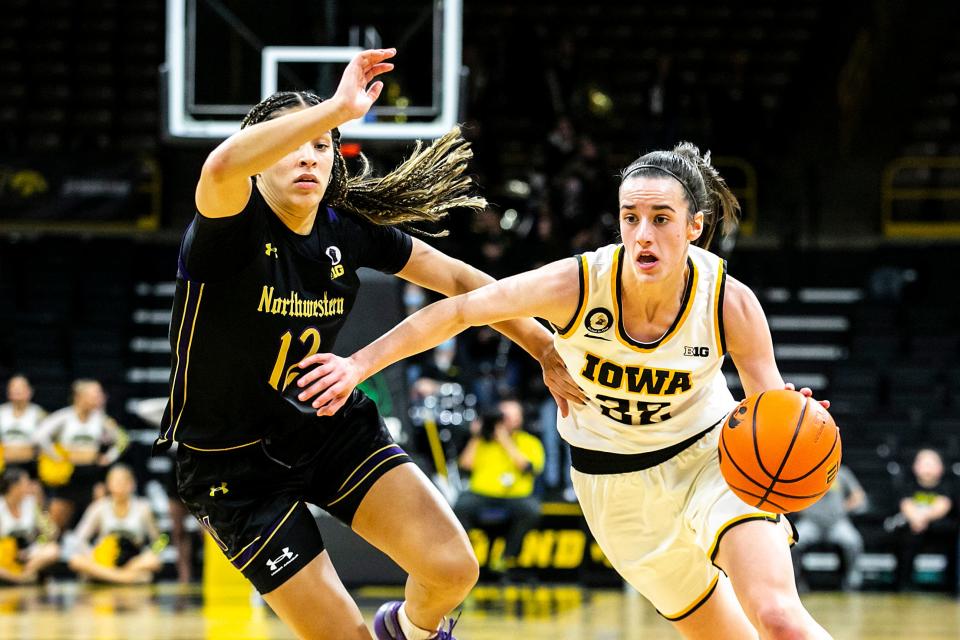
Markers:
(828, 521)
(24, 549)
(151, 412)
(926, 502)
(125, 531)
(77, 443)
(19, 419)
(503, 461)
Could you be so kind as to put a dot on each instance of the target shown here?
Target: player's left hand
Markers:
(559, 382)
(807, 393)
(329, 383)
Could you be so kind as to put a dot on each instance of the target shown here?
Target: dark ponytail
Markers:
(704, 188)
(424, 188)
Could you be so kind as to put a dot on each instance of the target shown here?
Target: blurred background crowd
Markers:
(839, 134)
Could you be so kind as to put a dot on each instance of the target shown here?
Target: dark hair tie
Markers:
(696, 206)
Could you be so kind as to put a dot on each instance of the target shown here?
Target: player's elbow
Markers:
(216, 168)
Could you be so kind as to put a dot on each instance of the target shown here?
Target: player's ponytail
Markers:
(424, 188)
(704, 188)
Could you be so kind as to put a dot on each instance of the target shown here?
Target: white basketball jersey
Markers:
(22, 526)
(643, 397)
(75, 433)
(19, 429)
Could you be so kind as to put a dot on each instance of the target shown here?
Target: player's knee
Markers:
(454, 569)
(781, 620)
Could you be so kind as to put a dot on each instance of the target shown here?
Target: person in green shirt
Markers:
(503, 461)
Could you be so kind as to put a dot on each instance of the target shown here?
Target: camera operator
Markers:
(504, 461)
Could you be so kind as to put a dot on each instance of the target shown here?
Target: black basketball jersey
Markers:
(253, 299)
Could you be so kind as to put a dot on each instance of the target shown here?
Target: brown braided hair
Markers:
(424, 188)
(703, 187)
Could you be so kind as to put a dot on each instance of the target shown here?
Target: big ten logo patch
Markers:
(336, 269)
(697, 352)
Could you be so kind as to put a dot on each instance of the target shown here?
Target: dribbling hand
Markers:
(329, 383)
(352, 94)
(806, 392)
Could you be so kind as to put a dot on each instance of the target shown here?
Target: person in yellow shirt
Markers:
(504, 461)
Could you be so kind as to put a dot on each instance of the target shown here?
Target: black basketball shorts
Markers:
(255, 506)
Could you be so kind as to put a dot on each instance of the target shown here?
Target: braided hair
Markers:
(704, 189)
(424, 188)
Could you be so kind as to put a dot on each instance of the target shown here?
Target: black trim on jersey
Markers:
(687, 292)
(696, 605)
(580, 299)
(723, 286)
(769, 517)
(599, 463)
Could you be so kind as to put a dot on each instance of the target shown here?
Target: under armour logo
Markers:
(222, 489)
(278, 563)
(270, 250)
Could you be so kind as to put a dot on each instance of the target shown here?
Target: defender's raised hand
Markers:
(353, 94)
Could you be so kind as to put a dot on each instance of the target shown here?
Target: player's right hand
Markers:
(352, 94)
(329, 383)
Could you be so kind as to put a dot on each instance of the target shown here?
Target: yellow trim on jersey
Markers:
(584, 276)
(176, 369)
(247, 546)
(716, 308)
(360, 481)
(696, 603)
(729, 524)
(678, 323)
(239, 446)
(359, 466)
(186, 368)
(267, 541)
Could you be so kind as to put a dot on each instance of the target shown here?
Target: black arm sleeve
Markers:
(214, 248)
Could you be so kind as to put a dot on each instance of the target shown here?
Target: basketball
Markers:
(779, 451)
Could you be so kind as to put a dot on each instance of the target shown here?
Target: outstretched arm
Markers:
(439, 272)
(224, 186)
(550, 292)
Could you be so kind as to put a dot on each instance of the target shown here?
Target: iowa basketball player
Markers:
(267, 275)
(644, 326)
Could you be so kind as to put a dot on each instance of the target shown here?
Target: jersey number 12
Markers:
(310, 335)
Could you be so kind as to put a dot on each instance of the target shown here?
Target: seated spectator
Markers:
(926, 502)
(504, 461)
(125, 530)
(19, 419)
(828, 521)
(151, 411)
(24, 551)
(78, 442)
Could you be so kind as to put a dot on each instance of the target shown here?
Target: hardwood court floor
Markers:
(556, 613)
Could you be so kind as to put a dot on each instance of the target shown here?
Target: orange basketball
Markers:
(779, 451)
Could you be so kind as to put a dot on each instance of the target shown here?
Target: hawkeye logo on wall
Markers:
(599, 320)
